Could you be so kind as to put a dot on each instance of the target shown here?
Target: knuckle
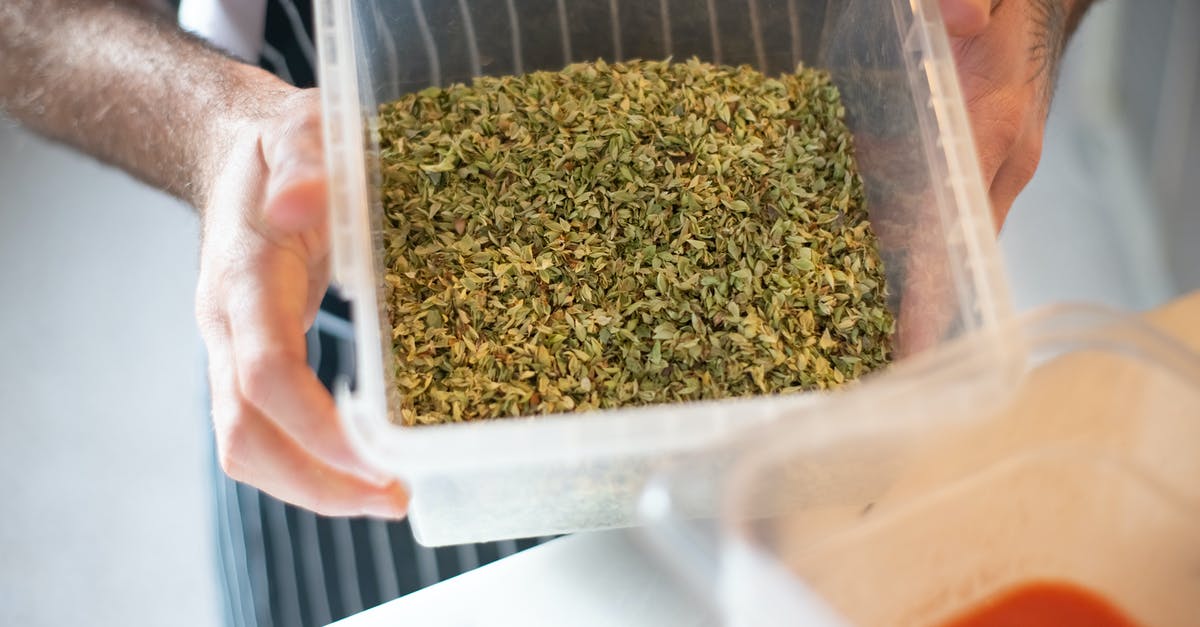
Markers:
(996, 142)
(1026, 158)
(231, 447)
(229, 463)
(1031, 146)
(207, 312)
(1005, 133)
(211, 306)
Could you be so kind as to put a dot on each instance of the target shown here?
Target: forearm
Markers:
(125, 85)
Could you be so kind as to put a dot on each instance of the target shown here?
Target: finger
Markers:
(966, 18)
(253, 450)
(294, 155)
(267, 300)
(265, 319)
(258, 452)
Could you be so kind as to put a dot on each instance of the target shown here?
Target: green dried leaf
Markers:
(622, 234)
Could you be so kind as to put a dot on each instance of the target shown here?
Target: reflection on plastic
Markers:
(683, 546)
(892, 62)
(1087, 474)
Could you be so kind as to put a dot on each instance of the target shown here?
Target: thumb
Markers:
(296, 185)
(966, 18)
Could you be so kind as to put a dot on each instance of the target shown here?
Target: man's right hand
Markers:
(263, 271)
(1007, 55)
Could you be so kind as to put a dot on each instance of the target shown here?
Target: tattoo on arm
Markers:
(1054, 22)
(1049, 19)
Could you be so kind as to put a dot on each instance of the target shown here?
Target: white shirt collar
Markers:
(235, 26)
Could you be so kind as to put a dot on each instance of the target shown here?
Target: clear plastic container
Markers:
(1089, 475)
(892, 62)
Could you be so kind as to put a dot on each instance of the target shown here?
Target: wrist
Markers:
(252, 96)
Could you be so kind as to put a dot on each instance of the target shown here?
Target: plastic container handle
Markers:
(680, 544)
(692, 553)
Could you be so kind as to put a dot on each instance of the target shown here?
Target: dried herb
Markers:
(623, 234)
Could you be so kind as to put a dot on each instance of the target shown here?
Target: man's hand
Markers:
(263, 271)
(1007, 52)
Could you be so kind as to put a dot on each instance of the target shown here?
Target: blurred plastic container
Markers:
(891, 59)
(1089, 475)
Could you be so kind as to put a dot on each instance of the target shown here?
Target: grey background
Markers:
(103, 442)
(1160, 95)
(102, 437)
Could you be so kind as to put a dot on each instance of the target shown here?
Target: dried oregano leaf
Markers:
(622, 234)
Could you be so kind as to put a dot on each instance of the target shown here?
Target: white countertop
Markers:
(586, 580)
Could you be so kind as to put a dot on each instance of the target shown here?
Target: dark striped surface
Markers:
(284, 566)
